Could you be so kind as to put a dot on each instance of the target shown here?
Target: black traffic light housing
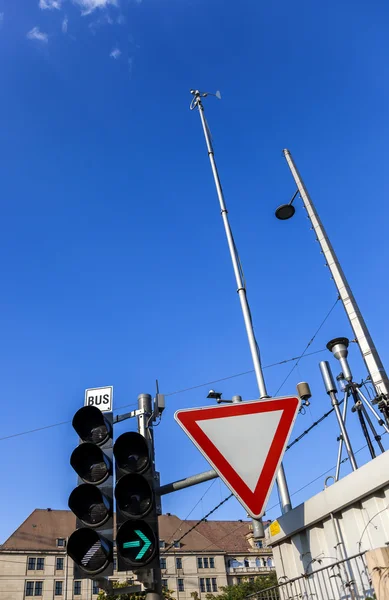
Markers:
(137, 539)
(91, 545)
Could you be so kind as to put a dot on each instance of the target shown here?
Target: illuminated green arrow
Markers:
(136, 544)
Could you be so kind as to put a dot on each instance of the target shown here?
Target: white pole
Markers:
(369, 352)
(281, 479)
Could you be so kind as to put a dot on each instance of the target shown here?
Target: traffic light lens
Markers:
(89, 551)
(90, 463)
(134, 495)
(136, 543)
(90, 505)
(91, 425)
(132, 452)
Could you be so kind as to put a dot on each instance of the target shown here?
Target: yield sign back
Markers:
(244, 443)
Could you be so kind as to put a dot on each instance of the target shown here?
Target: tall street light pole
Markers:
(197, 103)
(368, 350)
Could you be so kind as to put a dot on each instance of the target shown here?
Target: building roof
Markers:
(43, 526)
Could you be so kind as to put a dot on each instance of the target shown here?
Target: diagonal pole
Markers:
(241, 289)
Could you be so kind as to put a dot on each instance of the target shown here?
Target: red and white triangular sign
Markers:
(244, 443)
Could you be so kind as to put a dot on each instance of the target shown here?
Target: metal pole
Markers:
(145, 428)
(369, 352)
(340, 450)
(372, 429)
(343, 431)
(329, 384)
(369, 406)
(281, 479)
(168, 488)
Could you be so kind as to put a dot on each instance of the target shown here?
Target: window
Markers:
(60, 542)
(59, 564)
(115, 564)
(269, 562)
(34, 588)
(77, 588)
(162, 544)
(38, 588)
(246, 562)
(212, 563)
(179, 563)
(58, 588)
(164, 584)
(31, 564)
(208, 584)
(163, 563)
(96, 588)
(206, 564)
(251, 579)
(202, 584)
(40, 564)
(199, 563)
(214, 584)
(181, 587)
(176, 544)
(259, 544)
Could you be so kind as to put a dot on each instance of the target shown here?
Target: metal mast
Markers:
(241, 289)
(366, 345)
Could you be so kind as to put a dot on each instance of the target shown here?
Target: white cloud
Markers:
(88, 6)
(115, 53)
(65, 25)
(37, 34)
(50, 4)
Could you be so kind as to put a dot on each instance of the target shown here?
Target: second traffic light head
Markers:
(131, 453)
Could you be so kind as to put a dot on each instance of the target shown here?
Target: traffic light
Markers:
(137, 539)
(91, 545)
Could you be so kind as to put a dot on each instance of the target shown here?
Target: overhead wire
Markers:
(309, 343)
(181, 391)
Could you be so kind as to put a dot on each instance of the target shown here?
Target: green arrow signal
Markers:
(136, 544)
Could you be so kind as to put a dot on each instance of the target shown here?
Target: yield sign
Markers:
(244, 443)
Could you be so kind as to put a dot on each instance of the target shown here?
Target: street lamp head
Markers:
(285, 211)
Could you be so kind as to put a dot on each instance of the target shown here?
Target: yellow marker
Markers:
(274, 528)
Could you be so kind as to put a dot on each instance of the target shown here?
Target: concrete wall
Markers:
(348, 517)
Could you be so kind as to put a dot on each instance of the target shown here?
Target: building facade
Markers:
(34, 563)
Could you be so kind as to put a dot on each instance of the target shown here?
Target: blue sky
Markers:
(115, 267)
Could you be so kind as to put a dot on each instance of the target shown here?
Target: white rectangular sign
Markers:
(100, 397)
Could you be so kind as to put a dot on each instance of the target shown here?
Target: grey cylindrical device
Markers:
(328, 379)
(338, 347)
(303, 390)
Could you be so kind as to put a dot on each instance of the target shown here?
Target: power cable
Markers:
(7, 437)
(201, 521)
(282, 362)
(195, 506)
(309, 343)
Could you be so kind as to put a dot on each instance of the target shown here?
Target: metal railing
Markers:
(346, 579)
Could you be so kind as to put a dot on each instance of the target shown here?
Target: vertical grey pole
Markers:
(330, 386)
(281, 479)
(340, 450)
(369, 352)
(145, 428)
